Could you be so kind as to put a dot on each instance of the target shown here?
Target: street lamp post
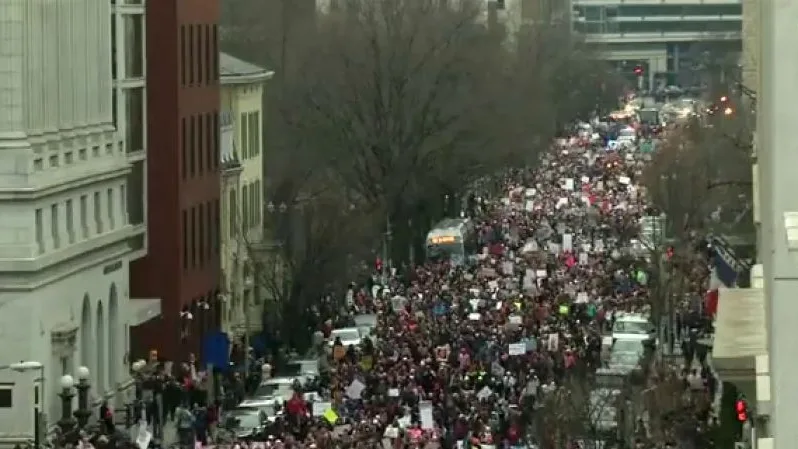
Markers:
(82, 413)
(24, 367)
(67, 422)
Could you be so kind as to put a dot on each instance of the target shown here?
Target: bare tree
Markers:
(315, 245)
(701, 174)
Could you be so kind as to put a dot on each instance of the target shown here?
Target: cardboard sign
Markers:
(516, 348)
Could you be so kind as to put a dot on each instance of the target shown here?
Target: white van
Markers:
(633, 326)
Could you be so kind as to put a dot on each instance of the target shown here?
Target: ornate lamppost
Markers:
(67, 422)
(83, 412)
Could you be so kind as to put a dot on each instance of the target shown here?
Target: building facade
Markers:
(71, 139)
(665, 37)
(242, 190)
(181, 268)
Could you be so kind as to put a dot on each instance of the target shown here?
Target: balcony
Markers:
(661, 36)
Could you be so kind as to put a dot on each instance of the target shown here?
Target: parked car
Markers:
(279, 388)
(245, 422)
(366, 324)
(348, 335)
(306, 370)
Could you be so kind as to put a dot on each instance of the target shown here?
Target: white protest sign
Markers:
(585, 179)
(515, 320)
(320, 408)
(583, 260)
(474, 316)
(484, 393)
(624, 180)
(425, 414)
(581, 297)
(530, 192)
(144, 436)
(516, 348)
(355, 389)
(540, 274)
(568, 184)
(567, 242)
(393, 392)
(561, 202)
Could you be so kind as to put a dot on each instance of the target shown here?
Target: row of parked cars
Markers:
(267, 402)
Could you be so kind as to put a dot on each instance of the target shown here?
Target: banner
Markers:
(731, 270)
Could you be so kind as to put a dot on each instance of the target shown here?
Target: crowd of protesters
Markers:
(467, 354)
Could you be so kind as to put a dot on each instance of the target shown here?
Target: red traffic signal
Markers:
(742, 410)
(638, 70)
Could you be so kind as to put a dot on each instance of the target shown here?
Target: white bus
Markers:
(453, 239)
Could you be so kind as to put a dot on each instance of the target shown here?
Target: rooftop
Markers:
(236, 71)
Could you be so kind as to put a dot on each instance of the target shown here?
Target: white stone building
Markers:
(242, 189)
(72, 130)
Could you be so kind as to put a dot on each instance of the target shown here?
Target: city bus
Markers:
(453, 239)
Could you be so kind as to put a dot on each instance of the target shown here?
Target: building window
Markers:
(201, 234)
(257, 209)
(82, 154)
(193, 237)
(215, 51)
(183, 60)
(134, 40)
(70, 221)
(201, 64)
(55, 230)
(244, 134)
(134, 136)
(215, 140)
(69, 157)
(185, 239)
(190, 54)
(123, 203)
(184, 147)
(98, 217)
(245, 208)
(200, 143)
(113, 46)
(209, 141)
(110, 208)
(211, 230)
(208, 55)
(255, 127)
(54, 161)
(232, 210)
(6, 395)
(40, 230)
(217, 225)
(38, 164)
(84, 216)
(192, 144)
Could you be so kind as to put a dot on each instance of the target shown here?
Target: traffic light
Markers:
(638, 70)
(742, 410)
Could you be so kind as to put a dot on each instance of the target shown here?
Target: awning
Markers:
(142, 310)
(740, 333)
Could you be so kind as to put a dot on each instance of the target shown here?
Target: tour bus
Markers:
(454, 239)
